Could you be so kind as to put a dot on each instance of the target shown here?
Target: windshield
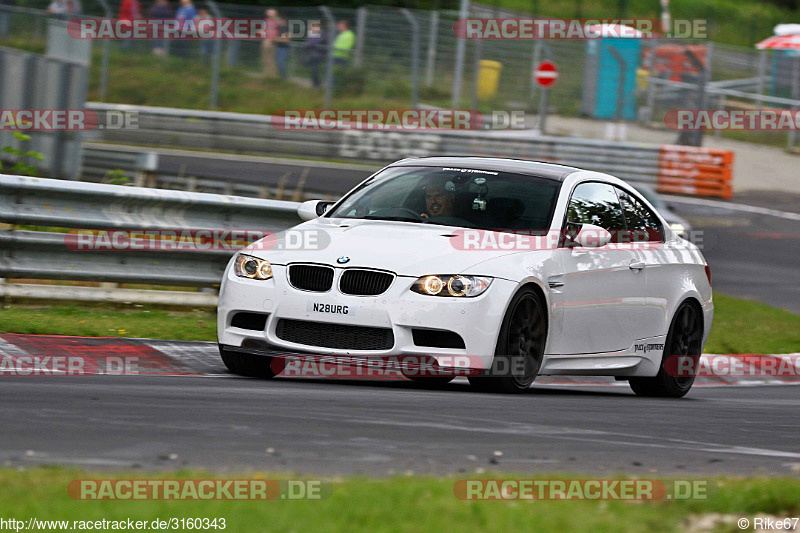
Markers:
(453, 197)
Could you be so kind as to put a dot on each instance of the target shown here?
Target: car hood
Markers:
(408, 249)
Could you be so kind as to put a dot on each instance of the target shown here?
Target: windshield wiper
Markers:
(397, 218)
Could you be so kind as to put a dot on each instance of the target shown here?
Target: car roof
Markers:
(516, 166)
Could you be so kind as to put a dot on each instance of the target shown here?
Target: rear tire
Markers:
(520, 346)
(244, 364)
(684, 339)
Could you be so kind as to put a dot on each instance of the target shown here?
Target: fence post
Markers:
(216, 59)
(695, 138)
(433, 34)
(361, 31)
(476, 66)
(545, 93)
(103, 89)
(4, 25)
(762, 70)
(790, 138)
(414, 57)
(233, 53)
(326, 12)
(458, 72)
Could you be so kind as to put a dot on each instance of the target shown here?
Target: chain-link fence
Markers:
(411, 58)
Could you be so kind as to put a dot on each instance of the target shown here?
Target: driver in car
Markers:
(440, 199)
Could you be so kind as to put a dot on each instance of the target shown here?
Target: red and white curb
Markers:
(194, 358)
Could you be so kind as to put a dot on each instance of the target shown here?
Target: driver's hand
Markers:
(423, 215)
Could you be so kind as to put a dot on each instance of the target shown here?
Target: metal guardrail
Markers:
(76, 205)
(262, 134)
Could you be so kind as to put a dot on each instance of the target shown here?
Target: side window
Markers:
(597, 203)
(642, 222)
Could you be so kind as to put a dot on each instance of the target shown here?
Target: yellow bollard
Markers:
(488, 78)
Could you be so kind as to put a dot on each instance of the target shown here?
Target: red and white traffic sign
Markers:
(546, 73)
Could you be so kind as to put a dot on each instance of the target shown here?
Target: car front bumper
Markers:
(476, 320)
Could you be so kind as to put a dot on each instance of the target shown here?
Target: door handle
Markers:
(636, 265)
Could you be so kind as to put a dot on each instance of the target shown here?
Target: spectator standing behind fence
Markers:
(58, 7)
(129, 10)
(314, 52)
(282, 48)
(162, 11)
(206, 46)
(185, 17)
(344, 43)
(270, 57)
(186, 13)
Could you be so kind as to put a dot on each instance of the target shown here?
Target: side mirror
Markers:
(312, 209)
(591, 236)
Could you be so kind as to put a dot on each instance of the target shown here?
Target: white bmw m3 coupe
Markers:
(505, 269)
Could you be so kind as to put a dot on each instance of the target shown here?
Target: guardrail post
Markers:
(414, 57)
(433, 35)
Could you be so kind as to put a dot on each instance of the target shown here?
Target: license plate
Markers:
(330, 309)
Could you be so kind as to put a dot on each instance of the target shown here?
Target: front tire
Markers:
(248, 365)
(520, 346)
(684, 339)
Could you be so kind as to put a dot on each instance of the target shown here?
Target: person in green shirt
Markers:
(343, 44)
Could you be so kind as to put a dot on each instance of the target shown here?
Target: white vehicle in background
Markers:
(677, 223)
(523, 268)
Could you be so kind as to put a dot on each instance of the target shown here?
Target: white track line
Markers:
(731, 206)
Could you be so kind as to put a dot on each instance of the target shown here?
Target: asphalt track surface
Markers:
(752, 255)
(328, 428)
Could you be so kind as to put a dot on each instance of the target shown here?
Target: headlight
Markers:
(678, 228)
(248, 266)
(451, 285)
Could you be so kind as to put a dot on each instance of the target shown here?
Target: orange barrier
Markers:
(696, 171)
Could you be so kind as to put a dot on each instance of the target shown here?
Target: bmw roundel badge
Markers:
(342, 260)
